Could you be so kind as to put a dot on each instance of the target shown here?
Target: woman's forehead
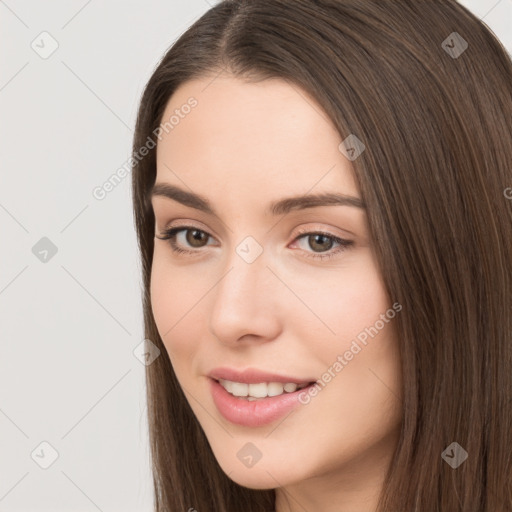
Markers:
(250, 136)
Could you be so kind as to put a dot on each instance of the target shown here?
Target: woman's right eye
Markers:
(192, 236)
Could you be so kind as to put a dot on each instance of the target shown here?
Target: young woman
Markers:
(323, 201)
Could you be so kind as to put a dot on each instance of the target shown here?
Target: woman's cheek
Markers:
(174, 301)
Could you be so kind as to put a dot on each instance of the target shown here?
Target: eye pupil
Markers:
(320, 237)
(194, 236)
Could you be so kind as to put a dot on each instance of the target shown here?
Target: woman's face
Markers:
(260, 292)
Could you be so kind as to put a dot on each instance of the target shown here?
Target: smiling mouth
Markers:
(260, 391)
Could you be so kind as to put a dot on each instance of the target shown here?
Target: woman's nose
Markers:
(246, 299)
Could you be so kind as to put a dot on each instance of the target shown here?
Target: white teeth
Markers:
(275, 388)
(228, 385)
(239, 389)
(260, 390)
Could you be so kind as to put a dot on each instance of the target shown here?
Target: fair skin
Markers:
(243, 146)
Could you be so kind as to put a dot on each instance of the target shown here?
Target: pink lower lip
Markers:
(253, 413)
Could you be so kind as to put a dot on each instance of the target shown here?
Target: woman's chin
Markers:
(257, 474)
(253, 478)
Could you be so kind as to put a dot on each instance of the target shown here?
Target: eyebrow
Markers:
(275, 208)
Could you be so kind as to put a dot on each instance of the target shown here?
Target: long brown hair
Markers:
(427, 87)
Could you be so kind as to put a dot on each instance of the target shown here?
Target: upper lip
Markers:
(254, 376)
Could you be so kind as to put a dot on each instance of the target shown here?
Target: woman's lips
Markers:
(253, 375)
(253, 413)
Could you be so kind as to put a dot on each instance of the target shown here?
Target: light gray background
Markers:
(69, 326)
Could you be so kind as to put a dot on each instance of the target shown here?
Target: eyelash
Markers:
(170, 236)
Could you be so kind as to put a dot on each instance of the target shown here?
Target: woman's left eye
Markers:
(194, 238)
(320, 239)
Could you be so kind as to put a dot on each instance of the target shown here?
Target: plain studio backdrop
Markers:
(72, 403)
